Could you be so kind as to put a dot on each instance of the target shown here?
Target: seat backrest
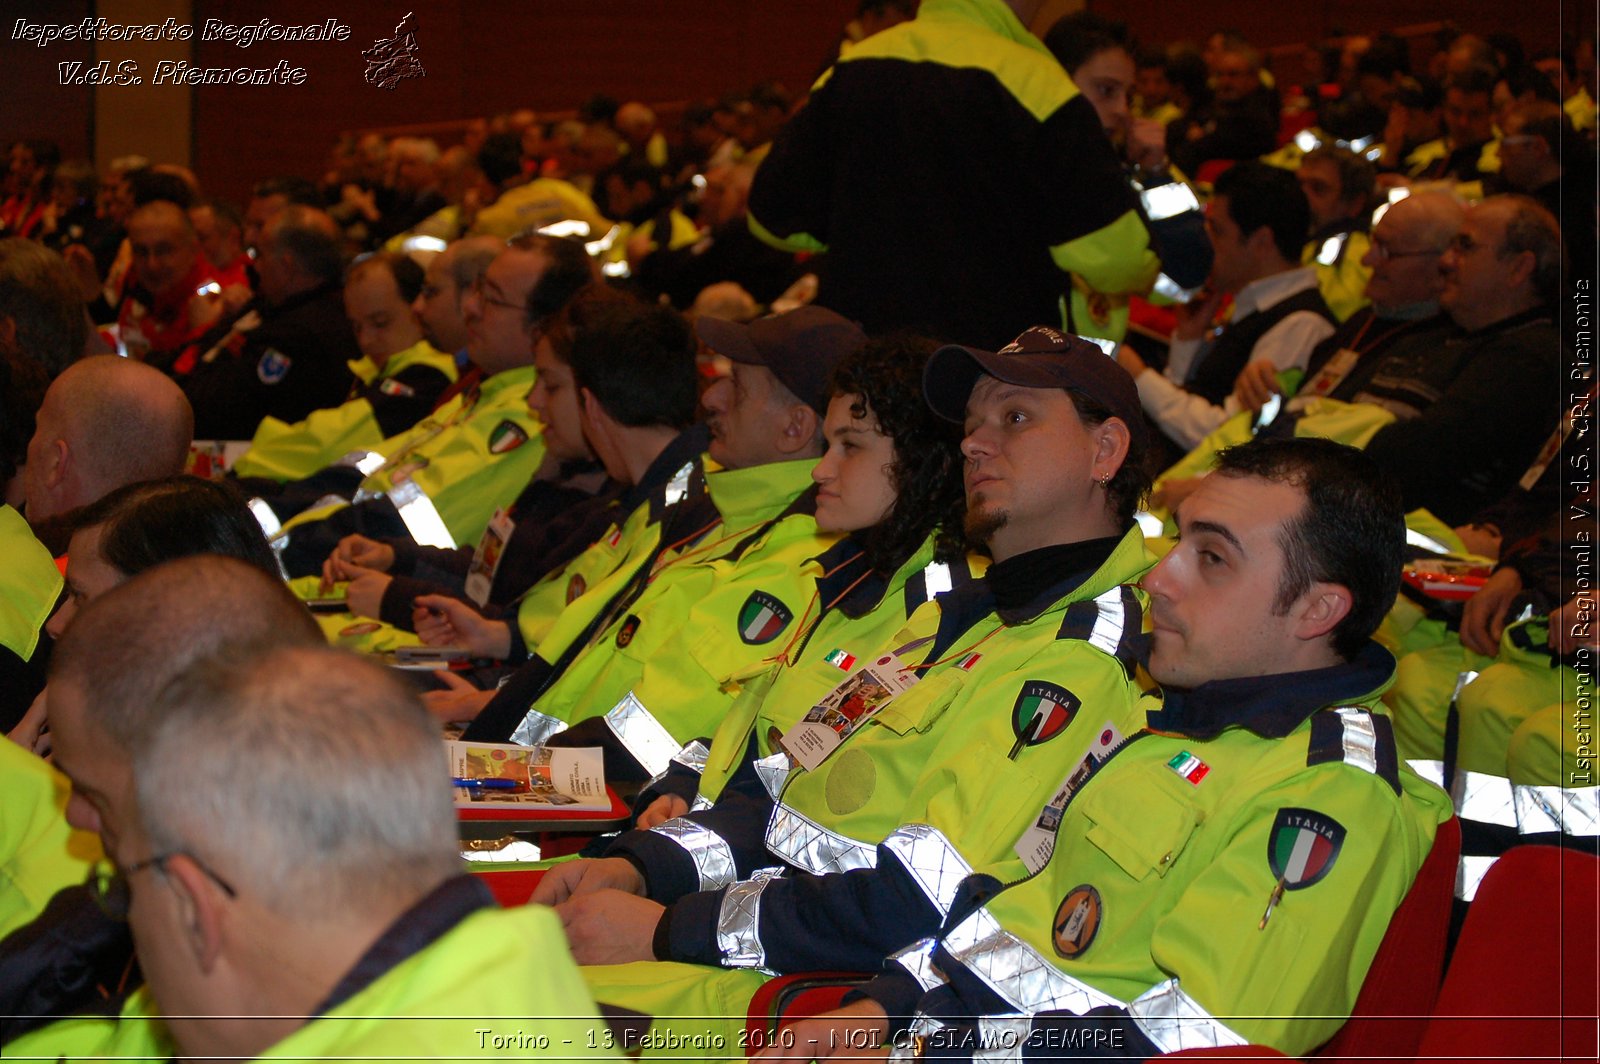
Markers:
(784, 999)
(1523, 981)
(1400, 987)
(513, 886)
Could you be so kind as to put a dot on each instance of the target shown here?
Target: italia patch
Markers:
(1042, 711)
(273, 366)
(630, 625)
(1077, 921)
(394, 387)
(761, 618)
(507, 436)
(1303, 847)
(576, 587)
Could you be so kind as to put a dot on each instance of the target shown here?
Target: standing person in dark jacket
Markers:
(1028, 187)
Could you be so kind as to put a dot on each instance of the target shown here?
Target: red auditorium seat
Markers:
(513, 886)
(1398, 994)
(1522, 983)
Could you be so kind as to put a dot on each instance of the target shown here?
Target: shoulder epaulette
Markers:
(1355, 736)
(1112, 621)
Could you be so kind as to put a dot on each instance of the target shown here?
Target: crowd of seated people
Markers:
(1098, 662)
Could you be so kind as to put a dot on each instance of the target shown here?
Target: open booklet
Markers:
(528, 777)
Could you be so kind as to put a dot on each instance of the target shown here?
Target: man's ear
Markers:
(799, 430)
(56, 463)
(1261, 242)
(1519, 269)
(1321, 609)
(202, 910)
(8, 333)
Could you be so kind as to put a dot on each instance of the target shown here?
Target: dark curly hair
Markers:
(886, 376)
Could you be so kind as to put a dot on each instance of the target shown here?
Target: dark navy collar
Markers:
(1027, 585)
(1033, 581)
(843, 564)
(1270, 706)
(684, 448)
(419, 927)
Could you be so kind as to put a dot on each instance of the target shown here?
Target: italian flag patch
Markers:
(761, 618)
(842, 659)
(1303, 846)
(968, 662)
(1189, 767)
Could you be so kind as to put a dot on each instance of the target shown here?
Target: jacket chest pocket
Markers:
(1138, 822)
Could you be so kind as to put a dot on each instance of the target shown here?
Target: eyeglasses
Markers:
(479, 289)
(108, 883)
(1383, 252)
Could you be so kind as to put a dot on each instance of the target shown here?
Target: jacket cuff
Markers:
(669, 872)
(896, 992)
(691, 935)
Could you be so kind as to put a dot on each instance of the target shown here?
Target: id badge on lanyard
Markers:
(486, 559)
(1038, 842)
(857, 699)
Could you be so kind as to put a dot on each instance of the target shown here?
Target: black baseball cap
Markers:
(801, 348)
(1040, 358)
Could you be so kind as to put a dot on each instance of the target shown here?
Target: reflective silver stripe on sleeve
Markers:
(917, 960)
(1570, 810)
(536, 727)
(1020, 974)
(366, 462)
(1360, 738)
(1107, 631)
(772, 770)
(700, 803)
(650, 744)
(1173, 1020)
(1469, 874)
(712, 857)
(693, 756)
(738, 922)
(422, 520)
(936, 866)
(1484, 797)
(1432, 771)
(936, 580)
(809, 846)
(678, 486)
(1001, 1038)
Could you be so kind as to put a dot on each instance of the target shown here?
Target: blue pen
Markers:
(486, 785)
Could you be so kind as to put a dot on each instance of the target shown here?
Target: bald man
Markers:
(172, 294)
(105, 422)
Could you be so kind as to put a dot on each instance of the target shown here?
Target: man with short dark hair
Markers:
(1257, 222)
(1338, 185)
(1467, 151)
(286, 355)
(1239, 122)
(1279, 832)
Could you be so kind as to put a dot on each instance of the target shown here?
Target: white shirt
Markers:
(1189, 418)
